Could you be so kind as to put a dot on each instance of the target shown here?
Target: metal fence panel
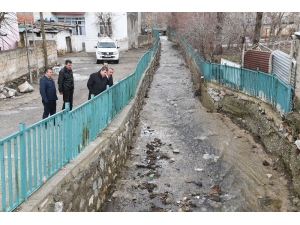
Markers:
(267, 87)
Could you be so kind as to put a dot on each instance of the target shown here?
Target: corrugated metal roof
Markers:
(254, 59)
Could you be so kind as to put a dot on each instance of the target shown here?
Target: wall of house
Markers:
(61, 41)
(132, 29)
(76, 43)
(91, 32)
(120, 30)
(10, 41)
(14, 64)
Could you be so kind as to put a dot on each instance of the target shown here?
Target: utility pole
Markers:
(44, 40)
(34, 49)
(26, 44)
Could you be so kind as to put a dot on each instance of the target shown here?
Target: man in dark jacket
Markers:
(66, 83)
(97, 82)
(48, 93)
(110, 72)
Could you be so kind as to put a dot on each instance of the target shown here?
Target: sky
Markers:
(153, 6)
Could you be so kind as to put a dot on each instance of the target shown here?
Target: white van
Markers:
(107, 50)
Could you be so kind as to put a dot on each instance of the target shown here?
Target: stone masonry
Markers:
(14, 64)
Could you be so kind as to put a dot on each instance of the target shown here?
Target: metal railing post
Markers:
(68, 138)
(23, 161)
(93, 117)
(108, 103)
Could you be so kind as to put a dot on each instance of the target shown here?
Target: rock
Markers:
(215, 190)
(199, 169)
(1, 87)
(296, 201)
(10, 89)
(198, 183)
(56, 198)
(2, 96)
(223, 92)
(150, 146)
(269, 175)
(176, 151)
(265, 163)
(58, 206)
(172, 160)
(280, 128)
(188, 181)
(297, 142)
(157, 140)
(25, 87)
(180, 210)
(254, 146)
(18, 93)
(290, 138)
(217, 98)
(168, 201)
(288, 129)
(215, 198)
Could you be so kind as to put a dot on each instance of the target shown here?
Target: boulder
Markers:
(1, 87)
(25, 87)
(2, 96)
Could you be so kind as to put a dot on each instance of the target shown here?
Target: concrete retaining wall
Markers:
(83, 185)
(144, 39)
(14, 64)
(276, 132)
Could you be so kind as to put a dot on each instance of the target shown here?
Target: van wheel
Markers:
(98, 61)
(117, 61)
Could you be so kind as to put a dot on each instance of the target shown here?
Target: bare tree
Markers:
(257, 29)
(44, 39)
(8, 32)
(104, 23)
(219, 28)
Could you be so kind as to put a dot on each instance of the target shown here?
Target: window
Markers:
(106, 45)
(79, 22)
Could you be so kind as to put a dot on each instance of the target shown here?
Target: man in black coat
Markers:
(110, 72)
(66, 83)
(48, 93)
(98, 81)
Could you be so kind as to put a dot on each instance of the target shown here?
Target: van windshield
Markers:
(106, 45)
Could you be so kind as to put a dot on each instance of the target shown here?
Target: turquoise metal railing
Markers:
(32, 155)
(267, 87)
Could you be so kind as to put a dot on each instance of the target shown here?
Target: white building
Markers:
(59, 32)
(125, 27)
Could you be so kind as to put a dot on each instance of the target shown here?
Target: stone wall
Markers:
(14, 64)
(277, 133)
(83, 185)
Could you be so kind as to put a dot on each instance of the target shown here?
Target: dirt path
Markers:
(28, 108)
(186, 159)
